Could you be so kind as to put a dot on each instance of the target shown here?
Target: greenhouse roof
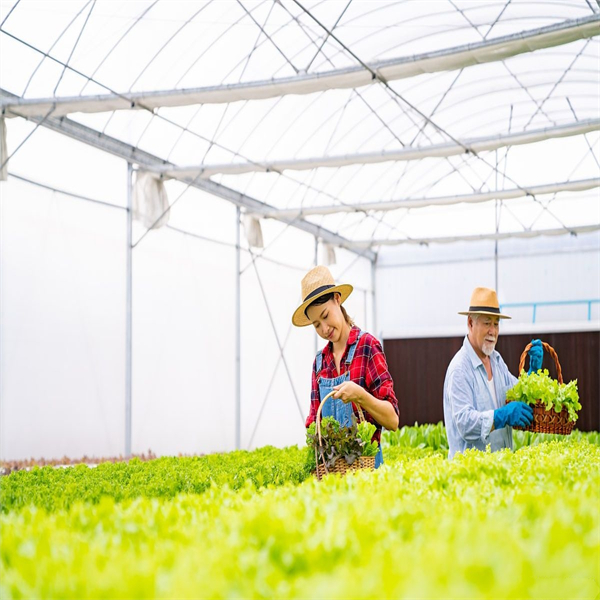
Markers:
(363, 123)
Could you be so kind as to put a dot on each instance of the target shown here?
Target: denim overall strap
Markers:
(334, 407)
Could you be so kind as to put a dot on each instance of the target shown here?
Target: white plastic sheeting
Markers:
(405, 154)
(543, 270)
(62, 325)
(63, 311)
(450, 59)
(538, 190)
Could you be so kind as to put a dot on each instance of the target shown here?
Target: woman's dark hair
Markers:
(326, 298)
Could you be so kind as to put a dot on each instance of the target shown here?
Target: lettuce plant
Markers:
(336, 442)
(540, 386)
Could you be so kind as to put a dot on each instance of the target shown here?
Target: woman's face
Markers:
(328, 319)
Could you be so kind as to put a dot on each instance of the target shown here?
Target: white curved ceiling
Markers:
(304, 106)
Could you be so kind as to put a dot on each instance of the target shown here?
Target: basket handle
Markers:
(548, 348)
(361, 417)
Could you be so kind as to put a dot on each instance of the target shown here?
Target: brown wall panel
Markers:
(418, 367)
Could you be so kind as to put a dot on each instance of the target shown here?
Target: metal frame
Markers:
(477, 238)
(128, 314)
(445, 149)
(238, 340)
(386, 205)
(447, 59)
(151, 162)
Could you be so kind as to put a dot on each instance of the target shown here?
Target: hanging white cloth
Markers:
(253, 231)
(150, 200)
(329, 257)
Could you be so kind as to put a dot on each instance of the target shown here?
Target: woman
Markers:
(352, 363)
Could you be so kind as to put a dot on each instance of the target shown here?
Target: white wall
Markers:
(420, 290)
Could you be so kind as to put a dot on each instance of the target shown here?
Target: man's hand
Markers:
(513, 414)
(349, 392)
(536, 355)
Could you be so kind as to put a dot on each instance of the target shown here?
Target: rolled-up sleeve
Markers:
(472, 425)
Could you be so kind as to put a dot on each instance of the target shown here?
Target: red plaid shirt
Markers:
(368, 368)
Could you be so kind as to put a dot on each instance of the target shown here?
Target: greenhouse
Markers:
(173, 174)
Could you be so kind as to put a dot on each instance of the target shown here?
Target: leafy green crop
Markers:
(162, 478)
(484, 525)
(366, 431)
(54, 489)
(419, 436)
(540, 386)
(339, 442)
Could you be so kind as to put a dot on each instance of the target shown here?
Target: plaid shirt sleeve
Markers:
(314, 396)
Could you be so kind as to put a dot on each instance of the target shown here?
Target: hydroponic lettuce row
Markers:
(430, 436)
(501, 525)
(54, 489)
(554, 396)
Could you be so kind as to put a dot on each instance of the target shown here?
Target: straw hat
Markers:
(316, 283)
(484, 302)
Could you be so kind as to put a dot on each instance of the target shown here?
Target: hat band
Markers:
(318, 291)
(486, 308)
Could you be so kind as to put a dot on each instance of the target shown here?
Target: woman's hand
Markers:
(349, 392)
(381, 410)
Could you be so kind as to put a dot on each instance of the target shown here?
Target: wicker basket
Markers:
(340, 466)
(547, 421)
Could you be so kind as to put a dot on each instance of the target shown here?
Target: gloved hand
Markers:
(513, 413)
(536, 354)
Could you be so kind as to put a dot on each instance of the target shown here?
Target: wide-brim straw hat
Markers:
(484, 301)
(316, 283)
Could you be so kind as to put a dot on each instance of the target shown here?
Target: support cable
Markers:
(87, 18)
(264, 295)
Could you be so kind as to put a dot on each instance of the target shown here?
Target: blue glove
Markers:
(513, 414)
(536, 354)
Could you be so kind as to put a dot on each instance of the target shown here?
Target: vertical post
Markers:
(496, 250)
(128, 312)
(497, 229)
(238, 372)
(374, 297)
(316, 263)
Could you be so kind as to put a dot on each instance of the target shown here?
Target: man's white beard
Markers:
(488, 347)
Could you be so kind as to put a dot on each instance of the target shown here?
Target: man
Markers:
(477, 379)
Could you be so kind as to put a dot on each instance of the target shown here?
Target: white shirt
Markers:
(492, 389)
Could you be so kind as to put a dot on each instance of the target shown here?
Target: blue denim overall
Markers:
(334, 407)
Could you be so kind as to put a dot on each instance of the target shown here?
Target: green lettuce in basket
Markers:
(339, 442)
(365, 433)
(540, 386)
